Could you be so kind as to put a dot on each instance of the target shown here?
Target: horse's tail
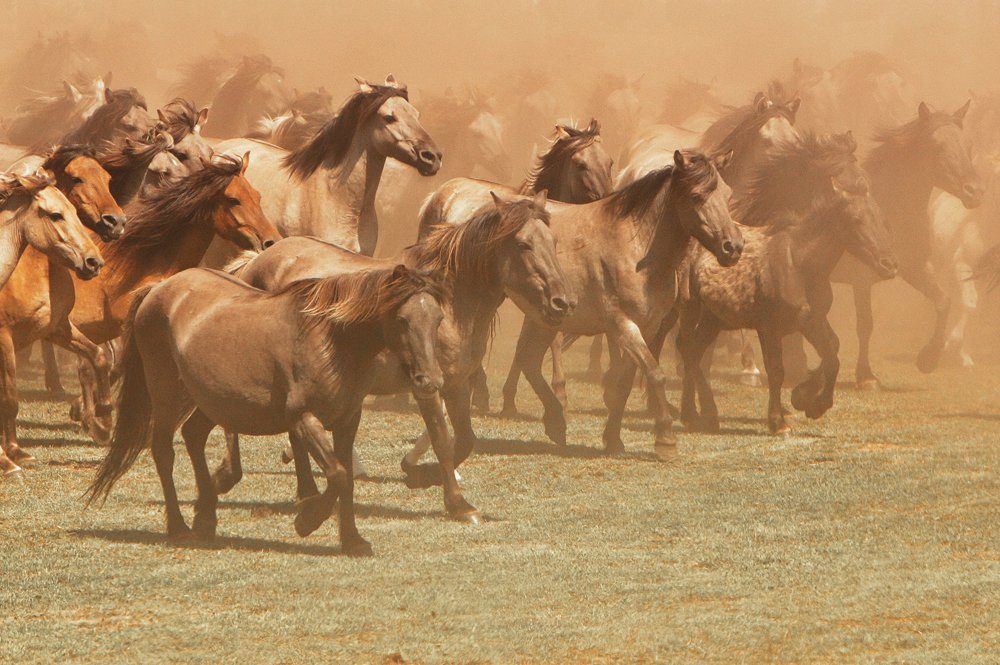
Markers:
(431, 213)
(133, 427)
(989, 268)
(237, 264)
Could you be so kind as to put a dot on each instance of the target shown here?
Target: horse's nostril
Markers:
(428, 156)
(267, 243)
(560, 304)
(93, 263)
(728, 247)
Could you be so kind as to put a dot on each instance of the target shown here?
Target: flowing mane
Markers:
(180, 118)
(101, 125)
(698, 180)
(739, 129)
(788, 177)
(59, 157)
(155, 227)
(13, 189)
(908, 136)
(202, 77)
(328, 147)
(37, 115)
(549, 165)
(467, 250)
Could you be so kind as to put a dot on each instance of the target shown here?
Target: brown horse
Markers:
(256, 89)
(906, 165)
(169, 231)
(620, 255)
(505, 250)
(782, 282)
(40, 223)
(303, 368)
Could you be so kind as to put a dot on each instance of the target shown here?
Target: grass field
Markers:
(871, 535)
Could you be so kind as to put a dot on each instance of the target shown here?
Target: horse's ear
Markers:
(246, 162)
(390, 81)
(923, 111)
(363, 85)
(202, 116)
(541, 198)
(497, 201)
(959, 115)
(594, 127)
(107, 95)
(71, 90)
(722, 161)
(400, 272)
(760, 103)
(563, 132)
(793, 106)
(161, 116)
(680, 160)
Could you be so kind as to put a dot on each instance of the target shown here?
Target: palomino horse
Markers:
(169, 230)
(620, 255)
(505, 250)
(123, 112)
(256, 90)
(905, 166)
(304, 367)
(327, 187)
(782, 282)
(34, 215)
(42, 120)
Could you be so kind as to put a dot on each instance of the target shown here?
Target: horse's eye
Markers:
(232, 200)
(389, 118)
(182, 157)
(523, 246)
(77, 180)
(56, 216)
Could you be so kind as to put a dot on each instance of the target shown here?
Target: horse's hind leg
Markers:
(230, 470)
(558, 370)
(594, 365)
(815, 396)
(162, 448)
(617, 387)
(308, 438)
(10, 454)
(195, 432)
(770, 346)
(433, 413)
(703, 337)
(95, 380)
(351, 542)
(537, 340)
(969, 301)
(480, 390)
(865, 325)
(53, 382)
(924, 280)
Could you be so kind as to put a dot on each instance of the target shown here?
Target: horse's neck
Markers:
(666, 239)
(474, 306)
(813, 254)
(127, 185)
(12, 244)
(187, 252)
(354, 350)
(902, 186)
(351, 188)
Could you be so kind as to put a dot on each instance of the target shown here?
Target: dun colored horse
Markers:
(303, 367)
(505, 250)
(35, 219)
(620, 255)
(327, 187)
(782, 282)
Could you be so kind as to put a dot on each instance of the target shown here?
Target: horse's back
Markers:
(653, 149)
(304, 257)
(11, 155)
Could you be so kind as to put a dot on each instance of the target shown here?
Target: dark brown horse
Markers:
(505, 250)
(906, 165)
(782, 282)
(304, 367)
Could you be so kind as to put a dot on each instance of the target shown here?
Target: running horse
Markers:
(327, 187)
(620, 255)
(303, 368)
(35, 219)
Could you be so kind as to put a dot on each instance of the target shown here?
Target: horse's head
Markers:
(164, 168)
(237, 215)
(701, 198)
(183, 122)
(129, 111)
(950, 164)
(52, 226)
(270, 95)
(487, 144)
(587, 176)
(775, 121)
(87, 186)
(410, 329)
(860, 222)
(395, 130)
(526, 256)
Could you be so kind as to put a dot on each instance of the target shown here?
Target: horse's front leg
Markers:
(457, 399)
(230, 469)
(433, 413)
(923, 279)
(823, 381)
(344, 434)
(96, 382)
(10, 454)
(770, 347)
(53, 382)
(509, 409)
(704, 337)
(536, 341)
(633, 343)
(865, 325)
(558, 370)
(308, 438)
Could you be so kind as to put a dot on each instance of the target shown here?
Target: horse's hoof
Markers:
(23, 458)
(508, 411)
(869, 385)
(816, 411)
(179, 532)
(286, 456)
(473, 517)
(802, 396)
(75, 411)
(15, 475)
(556, 431)
(356, 546)
(666, 451)
(421, 476)
(928, 359)
(781, 430)
(203, 530)
(751, 378)
(313, 511)
(613, 445)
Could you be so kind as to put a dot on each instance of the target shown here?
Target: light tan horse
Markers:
(505, 250)
(34, 214)
(620, 256)
(327, 187)
(304, 367)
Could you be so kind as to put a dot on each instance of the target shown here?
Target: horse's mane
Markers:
(328, 147)
(180, 118)
(467, 250)
(810, 221)
(549, 165)
(736, 131)
(13, 189)
(59, 157)
(201, 77)
(123, 152)
(102, 123)
(911, 133)
(698, 180)
(792, 171)
(289, 130)
(156, 223)
(245, 78)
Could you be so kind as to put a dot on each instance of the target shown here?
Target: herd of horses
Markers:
(217, 263)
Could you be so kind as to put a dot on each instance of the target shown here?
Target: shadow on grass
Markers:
(361, 510)
(137, 537)
(55, 427)
(967, 415)
(39, 395)
(51, 442)
(509, 447)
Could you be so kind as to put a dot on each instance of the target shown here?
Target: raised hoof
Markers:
(555, 429)
(816, 410)
(286, 456)
(751, 378)
(313, 511)
(802, 396)
(470, 517)
(613, 445)
(665, 451)
(223, 481)
(928, 359)
(869, 385)
(356, 546)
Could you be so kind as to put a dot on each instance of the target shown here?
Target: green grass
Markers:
(871, 535)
